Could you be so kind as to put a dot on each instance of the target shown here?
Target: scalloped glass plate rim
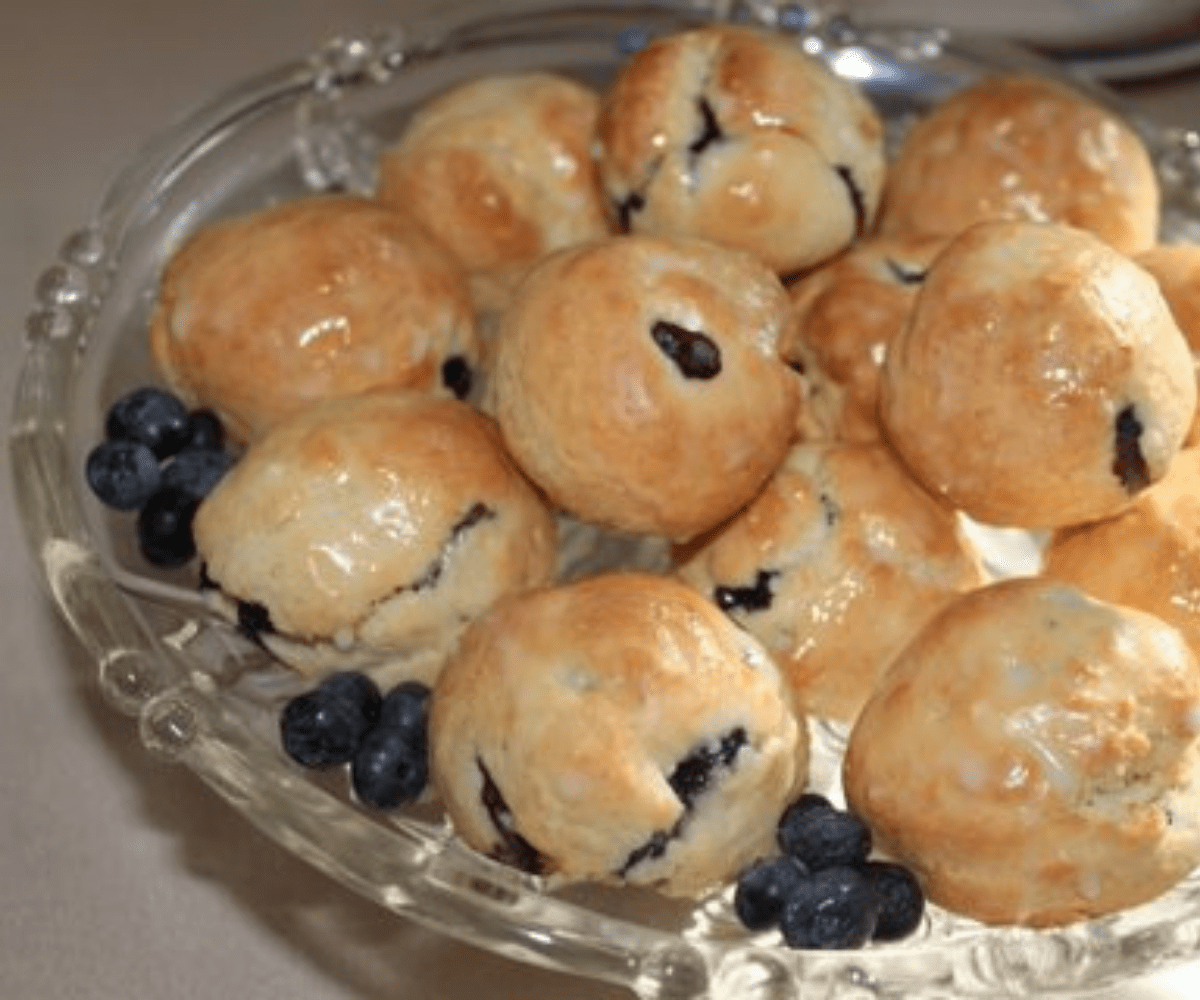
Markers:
(417, 869)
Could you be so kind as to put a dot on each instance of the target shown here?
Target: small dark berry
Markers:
(902, 900)
(822, 836)
(164, 527)
(123, 474)
(834, 908)
(406, 707)
(152, 416)
(390, 767)
(197, 470)
(763, 888)
(456, 376)
(205, 430)
(325, 726)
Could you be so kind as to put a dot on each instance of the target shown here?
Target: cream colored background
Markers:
(122, 877)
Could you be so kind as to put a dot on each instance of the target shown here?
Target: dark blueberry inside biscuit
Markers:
(1129, 466)
(710, 130)
(513, 849)
(830, 509)
(756, 597)
(478, 513)
(906, 274)
(253, 619)
(695, 354)
(626, 209)
(857, 201)
(456, 376)
(693, 775)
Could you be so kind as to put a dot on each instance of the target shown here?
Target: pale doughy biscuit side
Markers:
(1034, 756)
(620, 730)
(260, 315)
(834, 566)
(373, 526)
(1176, 268)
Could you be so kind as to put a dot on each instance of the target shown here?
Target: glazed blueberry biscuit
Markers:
(372, 528)
(500, 171)
(260, 315)
(1148, 556)
(1032, 756)
(637, 380)
(619, 729)
(740, 137)
(1041, 380)
(847, 313)
(834, 566)
(1023, 148)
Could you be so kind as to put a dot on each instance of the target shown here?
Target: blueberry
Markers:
(205, 430)
(822, 836)
(834, 908)
(164, 527)
(123, 474)
(902, 900)
(152, 416)
(405, 707)
(390, 767)
(325, 726)
(763, 888)
(197, 470)
(457, 376)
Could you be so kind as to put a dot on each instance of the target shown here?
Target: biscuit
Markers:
(260, 315)
(500, 171)
(619, 729)
(834, 566)
(1148, 556)
(847, 313)
(1041, 380)
(637, 381)
(1023, 148)
(372, 528)
(1032, 756)
(742, 138)
(1176, 268)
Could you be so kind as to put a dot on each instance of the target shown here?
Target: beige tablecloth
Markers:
(120, 876)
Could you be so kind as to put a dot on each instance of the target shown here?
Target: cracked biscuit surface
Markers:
(740, 137)
(619, 729)
(370, 529)
(1041, 380)
(1033, 756)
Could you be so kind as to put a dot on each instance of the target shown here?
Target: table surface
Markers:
(123, 876)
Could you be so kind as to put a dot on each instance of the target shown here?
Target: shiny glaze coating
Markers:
(742, 138)
(372, 526)
(1031, 351)
(262, 314)
(1023, 148)
(1033, 756)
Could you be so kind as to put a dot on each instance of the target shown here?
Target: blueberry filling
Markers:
(456, 376)
(856, 198)
(689, 780)
(830, 509)
(904, 273)
(755, 598)
(513, 849)
(710, 131)
(625, 210)
(477, 514)
(253, 619)
(695, 355)
(1129, 466)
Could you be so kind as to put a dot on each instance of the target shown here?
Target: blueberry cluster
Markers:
(823, 891)
(346, 720)
(159, 459)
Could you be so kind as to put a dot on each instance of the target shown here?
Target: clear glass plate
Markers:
(207, 699)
